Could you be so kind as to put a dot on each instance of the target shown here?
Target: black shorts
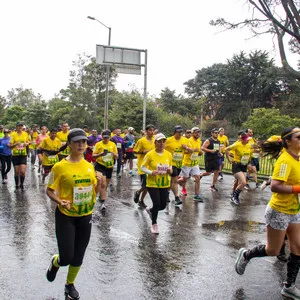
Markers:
(107, 172)
(143, 178)
(238, 167)
(129, 155)
(255, 163)
(19, 160)
(212, 165)
(39, 151)
(175, 171)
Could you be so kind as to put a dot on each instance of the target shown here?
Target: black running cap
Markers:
(76, 134)
(178, 128)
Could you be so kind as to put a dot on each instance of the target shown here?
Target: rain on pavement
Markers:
(191, 258)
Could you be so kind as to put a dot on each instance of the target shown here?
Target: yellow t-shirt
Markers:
(192, 159)
(161, 162)
(174, 146)
(74, 182)
(141, 145)
(49, 144)
(241, 153)
(108, 159)
(223, 142)
(63, 137)
(286, 169)
(33, 144)
(19, 150)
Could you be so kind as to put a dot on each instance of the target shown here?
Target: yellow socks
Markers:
(72, 273)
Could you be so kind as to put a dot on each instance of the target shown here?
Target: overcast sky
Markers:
(40, 39)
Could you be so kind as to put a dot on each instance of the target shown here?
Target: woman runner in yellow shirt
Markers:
(157, 165)
(282, 213)
(76, 182)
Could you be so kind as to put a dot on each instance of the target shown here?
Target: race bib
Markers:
(162, 169)
(52, 159)
(194, 156)
(107, 158)
(216, 147)
(245, 159)
(119, 145)
(82, 195)
(255, 155)
(177, 156)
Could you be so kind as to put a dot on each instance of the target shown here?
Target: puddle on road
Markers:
(236, 225)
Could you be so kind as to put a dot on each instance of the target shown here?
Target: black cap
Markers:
(178, 128)
(76, 134)
(106, 134)
(215, 129)
(19, 124)
(149, 126)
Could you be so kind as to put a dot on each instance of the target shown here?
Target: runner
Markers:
(224, 142)
(72, 185)
(49, 148)
(39, 140)
(242, 152)
(33, 146)
(282, 213)
(157, 165)
(63, 136)
(105, 153)
(5, 155)
(93, 139)
(119, 141)
(211, 147)
(142, 147)
(18, 143)
(129, 141)
(190, 163)
(176, 145)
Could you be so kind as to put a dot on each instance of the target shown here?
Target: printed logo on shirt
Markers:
(282, 170)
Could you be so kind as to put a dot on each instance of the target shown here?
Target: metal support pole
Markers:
(145, 91)
(106, 87)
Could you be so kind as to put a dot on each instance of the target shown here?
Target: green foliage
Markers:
(13, 115)
(267, 122)
(22, 97)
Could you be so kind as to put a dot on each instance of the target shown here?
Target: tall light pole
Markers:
(107, 75)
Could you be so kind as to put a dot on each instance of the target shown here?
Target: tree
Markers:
(280, 18)
(2, 106)
(267, 122)
(22, 97)
(13, 115)
(234, 89)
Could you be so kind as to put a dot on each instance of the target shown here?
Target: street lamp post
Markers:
(107, 76)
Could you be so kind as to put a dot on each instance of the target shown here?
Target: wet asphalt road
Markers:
(192, 257)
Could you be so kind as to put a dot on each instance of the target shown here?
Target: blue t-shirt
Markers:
(4, 149)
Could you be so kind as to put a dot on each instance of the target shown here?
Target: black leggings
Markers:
(5, 165)
(73, 235)
(159, 197)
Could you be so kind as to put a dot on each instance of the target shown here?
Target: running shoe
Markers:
(177, 201)
(118, 175)
(3, 181)
(291, 292)
(198, 198)
(71, 292)
(282, 257)
(142, 204)
(131, 173)
(241, 262)
(154, 229)
(213, 188)
(52, 270)
(220, 177)
(102, 206)
(148, 210)
(184, 192)
(136, 197)
(235, 200)
(247, 187)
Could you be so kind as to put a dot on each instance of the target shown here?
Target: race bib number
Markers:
(245, 159)
(21, 149)
(177, 156)
(255, 155)
(82, 195)
(52, 159)
(162, 169)
(216, 147)
(107, 158)
(194, 156)
(119, 145)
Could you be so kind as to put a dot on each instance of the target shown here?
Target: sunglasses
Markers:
(5, 131)
(188, 132)
(216, 132)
